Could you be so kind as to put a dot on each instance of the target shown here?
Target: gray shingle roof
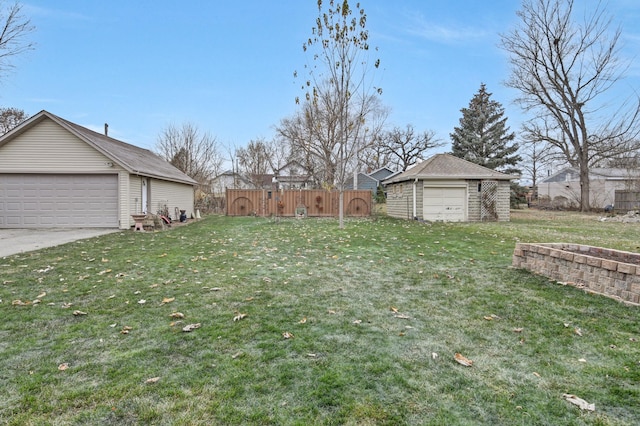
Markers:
(447, 166)
(134, 159)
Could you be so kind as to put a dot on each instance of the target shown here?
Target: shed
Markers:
(448, 188)
(55, 173)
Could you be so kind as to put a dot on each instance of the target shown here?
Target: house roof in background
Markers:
(570, 174)
(134, 159)
(447, 166)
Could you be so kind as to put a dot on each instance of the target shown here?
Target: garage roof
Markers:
(134, 159)
(447, 166)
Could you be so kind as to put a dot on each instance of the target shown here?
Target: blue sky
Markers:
(228, 67)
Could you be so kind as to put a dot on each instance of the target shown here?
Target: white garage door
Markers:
(444, 203)
(53, 201)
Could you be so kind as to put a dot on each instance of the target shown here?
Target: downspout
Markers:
(415, 199)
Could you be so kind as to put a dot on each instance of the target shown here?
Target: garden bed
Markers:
(612, 273)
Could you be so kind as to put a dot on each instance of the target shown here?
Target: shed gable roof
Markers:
(134, 159)
(447, 166)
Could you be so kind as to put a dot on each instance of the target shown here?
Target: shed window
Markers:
(479, 186)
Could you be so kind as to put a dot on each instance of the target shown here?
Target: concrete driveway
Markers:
(14, 241)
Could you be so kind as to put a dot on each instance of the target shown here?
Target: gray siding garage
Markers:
(44, 200)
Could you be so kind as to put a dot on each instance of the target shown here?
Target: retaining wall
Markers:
(612, 273)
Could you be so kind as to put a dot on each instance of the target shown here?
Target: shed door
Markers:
(444, 204)
(54, 201)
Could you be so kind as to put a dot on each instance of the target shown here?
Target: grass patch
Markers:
(367, 307)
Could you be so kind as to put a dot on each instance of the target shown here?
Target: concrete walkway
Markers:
(14, 241)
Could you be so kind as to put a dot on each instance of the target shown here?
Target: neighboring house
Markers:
(371, 180)
(228, 179)
(383, 173)
(54, 173)
(603, 183)
(448, 188)
(364, 182)
(293, 175)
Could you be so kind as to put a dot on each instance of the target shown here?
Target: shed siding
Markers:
(473, 201)
(172, 195)
(400, 200)
(47, 147)
(504, 201)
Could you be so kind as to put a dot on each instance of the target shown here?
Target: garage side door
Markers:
(444, 203)
(51, 201)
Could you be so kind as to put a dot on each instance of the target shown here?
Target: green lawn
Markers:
(374, 314)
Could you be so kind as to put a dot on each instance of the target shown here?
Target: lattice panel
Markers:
(489, 200)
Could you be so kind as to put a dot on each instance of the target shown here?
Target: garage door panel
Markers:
(58, 201)
(444, 203)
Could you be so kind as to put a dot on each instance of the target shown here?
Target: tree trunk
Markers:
(584, 185)
(341, 209)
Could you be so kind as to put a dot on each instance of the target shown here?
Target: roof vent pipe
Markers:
(106, 129)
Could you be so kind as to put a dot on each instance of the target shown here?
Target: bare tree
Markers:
(10, 118)
(563, 69)
(13, 34)
(404, 147)
(194, 153)
(339, 92)
(255, 160)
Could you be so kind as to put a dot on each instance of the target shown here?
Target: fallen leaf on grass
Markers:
(142, 301)
(106, 271)
(237, 355)
(402, 316)
(126, 329)
(332, 312)
(461, 359)
(518, 330)
(152, 380)
(491, 317)
(303, 320)
(434, 355)
(19, 302)
(190, 327)
(394, 309)
(578, 331)
(166, 300)
(176, 315)
(582, 360)
(287, 335)
(79, 313)
(239, 317)
(63, 366)
(66, 305)
(41, 295)
(584, 405)
(536, 374)
(357, 321)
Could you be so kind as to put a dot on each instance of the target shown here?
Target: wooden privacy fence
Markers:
(297, 202)
(627, 200)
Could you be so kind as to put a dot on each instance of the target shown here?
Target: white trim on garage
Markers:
(58, 200)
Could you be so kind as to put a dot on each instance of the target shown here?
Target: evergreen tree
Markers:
(483, 136)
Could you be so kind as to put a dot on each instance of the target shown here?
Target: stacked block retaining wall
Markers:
(612, 273)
